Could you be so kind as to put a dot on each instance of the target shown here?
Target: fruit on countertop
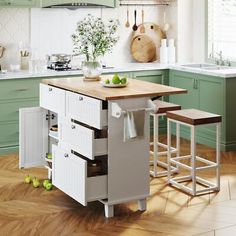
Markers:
(27, 179)
(49, 186)
(107, 81)
(123, 80)
(36, 182)
(115, 79)
(45, 182)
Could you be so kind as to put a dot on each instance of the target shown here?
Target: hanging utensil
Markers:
(142, 28)
(2, 49)
(135, 27)
(166, 25)
(127, 24)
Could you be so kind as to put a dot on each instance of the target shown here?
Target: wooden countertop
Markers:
(135, 88)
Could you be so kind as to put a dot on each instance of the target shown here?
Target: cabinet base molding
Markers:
(9, 150)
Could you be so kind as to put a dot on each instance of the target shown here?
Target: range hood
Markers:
(74, 4)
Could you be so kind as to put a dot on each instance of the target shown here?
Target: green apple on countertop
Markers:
(49, 156)
(49, 186)
(116, 80)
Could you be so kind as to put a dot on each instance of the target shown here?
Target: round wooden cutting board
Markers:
(143, 49)
(154, 33)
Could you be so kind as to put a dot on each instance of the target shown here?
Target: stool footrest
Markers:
(181, 165)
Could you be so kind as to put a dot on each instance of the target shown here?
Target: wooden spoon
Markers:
(127, 24)
(135, 27)
(142, 28)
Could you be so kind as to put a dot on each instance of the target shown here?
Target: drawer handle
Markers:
(50, 89)
(80, 98)
(66, 155)
(21, 90)
(73, 127)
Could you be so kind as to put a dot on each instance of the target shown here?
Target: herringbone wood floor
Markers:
(28, 211)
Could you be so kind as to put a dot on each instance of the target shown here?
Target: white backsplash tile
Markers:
(49, 30)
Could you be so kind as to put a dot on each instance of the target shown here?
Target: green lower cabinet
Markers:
(207, 93)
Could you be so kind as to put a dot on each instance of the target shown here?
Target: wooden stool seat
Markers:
(194, 116)
(163, 107)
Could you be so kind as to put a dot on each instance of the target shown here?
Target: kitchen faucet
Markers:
(219, 61)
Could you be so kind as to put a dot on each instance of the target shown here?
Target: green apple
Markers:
(49, 156)
(36, 182)
(48, 186)
(27, 179)
(107, 81)
(116, 79)
(124, 80)
(45, 182)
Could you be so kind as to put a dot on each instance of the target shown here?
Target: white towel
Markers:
(134, 122)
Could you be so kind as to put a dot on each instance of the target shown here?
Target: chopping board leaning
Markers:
(145, 47)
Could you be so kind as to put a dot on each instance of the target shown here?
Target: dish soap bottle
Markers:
(163, 52)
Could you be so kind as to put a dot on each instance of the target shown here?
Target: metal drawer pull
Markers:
(66, 155)
(73, 127)
(80, 98)
(50, 89)
(21, 90)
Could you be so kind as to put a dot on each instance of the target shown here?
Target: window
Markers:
(222, 28)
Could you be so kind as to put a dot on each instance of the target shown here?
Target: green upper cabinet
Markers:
(19, 3)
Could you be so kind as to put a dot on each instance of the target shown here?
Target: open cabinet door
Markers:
(33, 137)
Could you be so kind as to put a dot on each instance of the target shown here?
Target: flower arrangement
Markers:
(93, 38)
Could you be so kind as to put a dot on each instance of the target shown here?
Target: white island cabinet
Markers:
(90, 121)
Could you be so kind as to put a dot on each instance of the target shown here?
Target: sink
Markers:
(219, 68)
(203, 65)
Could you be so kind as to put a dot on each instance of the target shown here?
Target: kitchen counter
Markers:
(118, 69)
(135, 88)
(128, 67)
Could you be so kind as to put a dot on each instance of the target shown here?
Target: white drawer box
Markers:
(53, 99)
(70, 176)
(82, 140)
(86, 110)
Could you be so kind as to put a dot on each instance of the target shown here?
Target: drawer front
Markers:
(82, 140)
(52, 99)
(86, 110)
(9, 134)
(70, 176)
(19, 89)
(10, 109)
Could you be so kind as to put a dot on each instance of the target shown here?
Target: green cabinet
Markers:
(19, 3)
(206, 93)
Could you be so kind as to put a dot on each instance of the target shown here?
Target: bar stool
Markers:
(163, 107)
(194, 118)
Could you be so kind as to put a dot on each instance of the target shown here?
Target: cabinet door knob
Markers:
(50, 89)
(73, 127)
(66, 155)
(80, 98)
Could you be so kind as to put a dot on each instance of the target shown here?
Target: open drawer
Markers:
(70, 176)
(85, 109)
(82, 139)
(53, 99)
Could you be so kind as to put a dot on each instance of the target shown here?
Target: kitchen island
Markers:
(91, 121)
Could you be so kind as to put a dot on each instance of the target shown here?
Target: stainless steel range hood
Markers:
(74, 4)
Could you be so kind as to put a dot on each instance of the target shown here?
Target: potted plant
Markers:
(93, 38)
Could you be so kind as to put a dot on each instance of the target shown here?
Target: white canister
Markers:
(163, 52)
(171, 51)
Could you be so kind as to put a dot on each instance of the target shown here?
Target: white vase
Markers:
(92, 70)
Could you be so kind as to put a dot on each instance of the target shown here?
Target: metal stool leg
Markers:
(193, 159)
(168, 149)
(218, 127)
